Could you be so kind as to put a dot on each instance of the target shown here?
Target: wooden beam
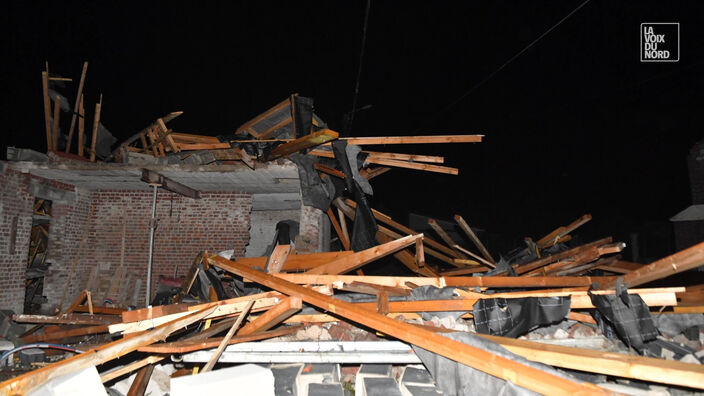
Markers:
(458, 281)
(412, 165)
(445, 237)
(340, 234)
(343, 224)
(96, 125)
(406, 157)
(394, 235)
(151, 177)
(226, 340)
(608, 363)
(81, 126)
(556, 234)
(246, 127)
(473, 237)
(55, 128)
(467, 252)
(278, 258)
(407, 259)
(79, 97)
(485, 361)
(354, 261)
(683, 260)
(70, 319)
(47, 110)
(196, 344)
(58, 335)
(297, 262)
(139, 384)
(273, 316)
(25, 383)
(314, 139)
(111, 375)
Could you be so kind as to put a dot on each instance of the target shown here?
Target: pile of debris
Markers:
(548, 317)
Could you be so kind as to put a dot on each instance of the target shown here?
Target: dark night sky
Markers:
(574, 125)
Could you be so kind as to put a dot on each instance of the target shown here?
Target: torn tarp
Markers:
(347, 157)
(435, 293)
(457, 379)
(628, 314)
(315, 192)
(516, 316)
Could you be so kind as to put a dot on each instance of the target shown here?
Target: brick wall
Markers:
(217, 221)
(314, 234)
(15, 227)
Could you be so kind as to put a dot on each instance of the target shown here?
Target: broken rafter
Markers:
(488, 362)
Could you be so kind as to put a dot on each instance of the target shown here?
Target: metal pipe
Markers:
(152, 227)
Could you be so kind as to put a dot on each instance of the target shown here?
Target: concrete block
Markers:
(382, 386)
(247, 379)
(322, 373)
(417, 376)
(325, 390)
(286, 378)
(420, 390)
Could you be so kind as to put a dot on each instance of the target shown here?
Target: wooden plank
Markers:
(338, 229)
(526, 267)
(556, 234)
(683, 260)
(314, 139)
(70, 319)
(226, 340)
(79, 98)
(167, 135)
(473, 237)
(81, 126)
(139, 385)
(55, 128)
(457, 281)
(96, 124)
(25, 383)
(343, 225)
(608, 363)
(296, 262)
(585, 256)
(394, 235)
(190, 345)
(400, 227)
(47, 110)
(278, 258)
(445, 237)
(406, 157)
(359, 259)
(111, 375)
(407, 259)
(485, 361)
(273, 316)
(328, 170)
(370, 173)
(412, 165)
(465, 251)
(58, 335)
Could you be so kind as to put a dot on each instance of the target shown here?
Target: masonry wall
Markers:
(217, 221)
(15, 227)
(314, 234)
(263, 229)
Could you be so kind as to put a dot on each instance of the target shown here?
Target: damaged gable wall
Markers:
(15, 226)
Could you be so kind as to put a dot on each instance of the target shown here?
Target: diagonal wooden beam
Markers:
(503, 368)
(308, 141)
(470, 233)
(354, 261)
(273, 316)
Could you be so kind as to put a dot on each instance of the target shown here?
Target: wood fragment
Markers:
(472, 236)
(226, 340)
(273, 316)
(79, 99)
(96, 125)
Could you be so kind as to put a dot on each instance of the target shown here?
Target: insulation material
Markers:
(517, 316)
(628, 315)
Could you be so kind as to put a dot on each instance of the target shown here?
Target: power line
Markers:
(348, 126)
(492, 74)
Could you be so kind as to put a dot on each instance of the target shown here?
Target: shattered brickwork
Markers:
(15, 227)
(217, 221)
(309, 238)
